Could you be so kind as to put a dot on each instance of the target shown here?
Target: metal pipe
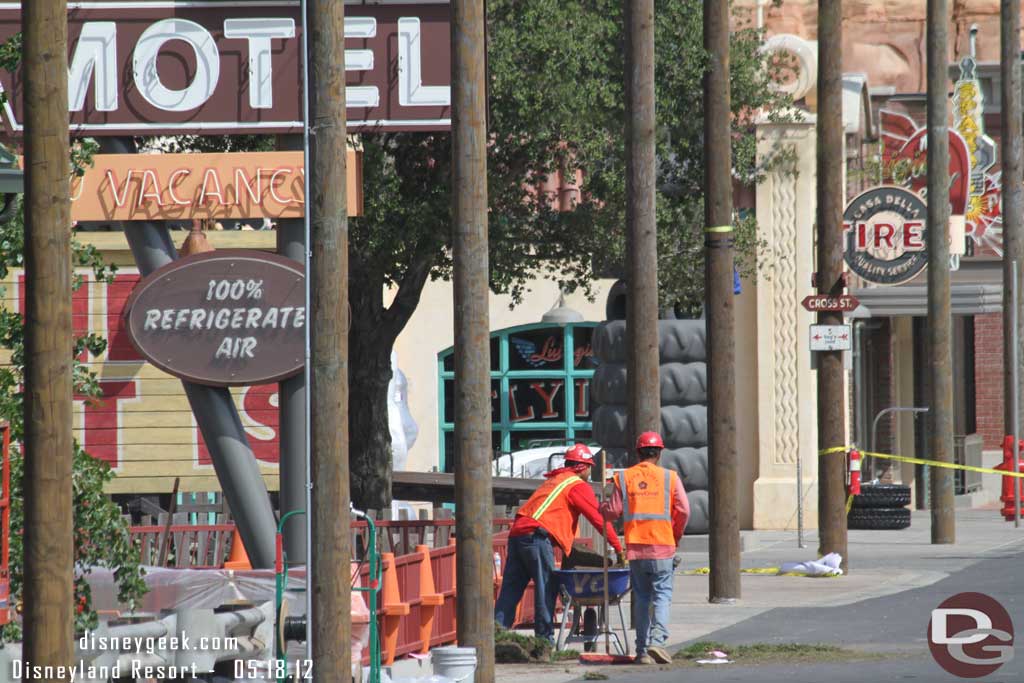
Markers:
(940, 319)
(829, 218)
(1015, 394)
(291, 394)
(145, 629)
(474, 506)
(48, 447)
(723, 465)
(327, 201)
(244, 618)
(799, 501)
(1012, 193)
(306, 370)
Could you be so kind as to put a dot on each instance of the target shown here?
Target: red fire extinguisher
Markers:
(853, 483)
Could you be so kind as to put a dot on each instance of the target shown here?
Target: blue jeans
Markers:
(652, 593)
(529, 557)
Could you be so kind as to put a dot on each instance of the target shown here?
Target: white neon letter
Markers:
(144, 61)
(95, 57)
(411, 91)
(259, 33)
(360, 60)
(171, 183)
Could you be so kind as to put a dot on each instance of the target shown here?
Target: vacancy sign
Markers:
(830, 338)
(157, 187)
(235, 66)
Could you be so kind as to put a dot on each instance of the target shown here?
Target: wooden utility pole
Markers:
(641, 224)
(49, 526)
(940, 320)
(829, 219)
(331, 553)
(474, 504)
(1013, 196)
(724, 584)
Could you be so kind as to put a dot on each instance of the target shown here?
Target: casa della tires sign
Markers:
(231, 318)
(885, 232)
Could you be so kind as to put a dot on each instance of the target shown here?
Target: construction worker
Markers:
(550, 515)
(652, 501)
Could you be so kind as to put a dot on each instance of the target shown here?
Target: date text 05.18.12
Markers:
(273, 668)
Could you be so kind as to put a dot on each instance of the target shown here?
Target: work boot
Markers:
(643, 659)
(659, 654)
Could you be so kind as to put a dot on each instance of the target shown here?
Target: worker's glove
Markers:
(620, 558)
(676, 561)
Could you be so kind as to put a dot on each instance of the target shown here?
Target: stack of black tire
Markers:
(880, 506)
(683, 388)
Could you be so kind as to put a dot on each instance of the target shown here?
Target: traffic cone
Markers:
(392, 608)
(430, 600)
(238, 559)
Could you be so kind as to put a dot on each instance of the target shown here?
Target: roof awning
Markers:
(912, 300)
(12, 181)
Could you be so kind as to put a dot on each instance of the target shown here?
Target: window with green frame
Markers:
(540, 389)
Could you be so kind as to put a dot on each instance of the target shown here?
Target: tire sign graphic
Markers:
(885, 232)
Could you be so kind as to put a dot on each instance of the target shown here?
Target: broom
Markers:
(607, 657)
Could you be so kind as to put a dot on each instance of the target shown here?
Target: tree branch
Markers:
(397, 315)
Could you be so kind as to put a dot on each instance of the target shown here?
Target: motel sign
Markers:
(206, 67)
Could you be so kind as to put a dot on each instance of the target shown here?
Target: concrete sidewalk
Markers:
(881, 563)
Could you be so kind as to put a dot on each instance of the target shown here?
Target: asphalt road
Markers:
(895, 625)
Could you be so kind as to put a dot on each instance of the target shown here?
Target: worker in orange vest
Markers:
(652, 502)
(551, 514)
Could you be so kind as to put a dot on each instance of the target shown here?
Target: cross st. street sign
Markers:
(825, 302)
(830, 338)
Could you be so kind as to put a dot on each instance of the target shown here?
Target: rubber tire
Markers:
(882, 496)
(698, 523)
(681, 384)
(878, 518)
(691, 464)
(681, 426)
(615, 304)
(679, 341)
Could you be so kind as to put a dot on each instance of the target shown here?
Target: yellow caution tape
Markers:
(719, 228)
(921, 461)
(849, 504)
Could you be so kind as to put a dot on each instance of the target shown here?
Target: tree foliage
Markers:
(101, 536)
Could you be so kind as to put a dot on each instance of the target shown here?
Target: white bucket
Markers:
(456, 663)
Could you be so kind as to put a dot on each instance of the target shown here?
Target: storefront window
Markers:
(540, 380)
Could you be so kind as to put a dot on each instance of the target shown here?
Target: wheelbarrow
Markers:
(585, 588)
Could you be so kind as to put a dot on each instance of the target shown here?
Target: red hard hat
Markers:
(579, 454)
(649, 440)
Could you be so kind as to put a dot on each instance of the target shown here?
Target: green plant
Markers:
(101, 536)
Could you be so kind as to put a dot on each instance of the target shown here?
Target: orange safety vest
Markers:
(549, 505)
(647, 504)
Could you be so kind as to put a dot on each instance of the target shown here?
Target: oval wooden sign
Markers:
(223, 318)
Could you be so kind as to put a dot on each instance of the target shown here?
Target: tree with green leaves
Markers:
(556, 103)
(101, 535)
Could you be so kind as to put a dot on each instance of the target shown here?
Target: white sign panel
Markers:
(830, 337)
